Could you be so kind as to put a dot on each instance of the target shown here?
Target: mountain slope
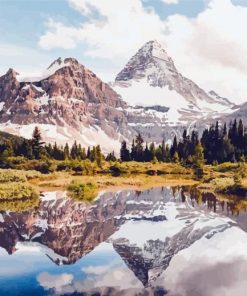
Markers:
(67, 102)
(151, 78)
(6, 136)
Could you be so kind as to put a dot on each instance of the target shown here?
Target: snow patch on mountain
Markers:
(87, 135)
(141, 93)
(37, 247)
(178, 217)
(2, 105)
(55, 66)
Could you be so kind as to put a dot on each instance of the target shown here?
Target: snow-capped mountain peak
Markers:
(146, 62)
(154, 49)
(54, 66)
(58, 61)
(151, 78)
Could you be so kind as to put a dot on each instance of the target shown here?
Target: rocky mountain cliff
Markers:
(68, 102)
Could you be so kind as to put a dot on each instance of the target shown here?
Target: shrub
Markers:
(237, 180)
(42, 166)
(17, 191)
(63, 166)
(15, 160)
(88, 167)
(9, 175)
(117, 169)
(225, 167)
(222, 184)
(77, 167)
(82, 191)
(32, 174)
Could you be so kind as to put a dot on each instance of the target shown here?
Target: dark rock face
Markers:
(8, 86)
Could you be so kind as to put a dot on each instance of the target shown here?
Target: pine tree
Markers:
(124, 152)
(198, 161)
(152, 151)
(37, 144)
(174, 147)
(98, 156)
(93, 154)
(158, 153)
(147, 154)
(139, 148)
(224, 131)
(163, 151)
(133, 151)
(111, 156)
(74, 151)
(83, 154)
(88, 152)
(66, 151)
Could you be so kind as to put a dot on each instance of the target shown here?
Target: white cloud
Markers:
(170, 1)
(25, 60)
(210, 48)
(59, 36)
(98, 279)
(55, 281)
(110, 276)
(115, 29)
(96, 270)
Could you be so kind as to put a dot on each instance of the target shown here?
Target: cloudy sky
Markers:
(206, 38)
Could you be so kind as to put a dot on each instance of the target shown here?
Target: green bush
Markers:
(17, 191)
(15, 160)
(63, 166)
(32, 174)
(222, 184)
(9, 175)
(118, 168)
(42, 166)
(82, 191)
(225, 167)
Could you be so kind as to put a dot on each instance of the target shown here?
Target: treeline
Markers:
(218, 145)
(37, 149)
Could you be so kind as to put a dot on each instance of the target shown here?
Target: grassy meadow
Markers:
(20, 189)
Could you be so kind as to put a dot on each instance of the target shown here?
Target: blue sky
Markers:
(104, 34)
(30, 17)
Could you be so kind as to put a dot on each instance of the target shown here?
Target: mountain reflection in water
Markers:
(174, 241)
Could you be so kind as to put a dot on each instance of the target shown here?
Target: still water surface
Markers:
(161, 241)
